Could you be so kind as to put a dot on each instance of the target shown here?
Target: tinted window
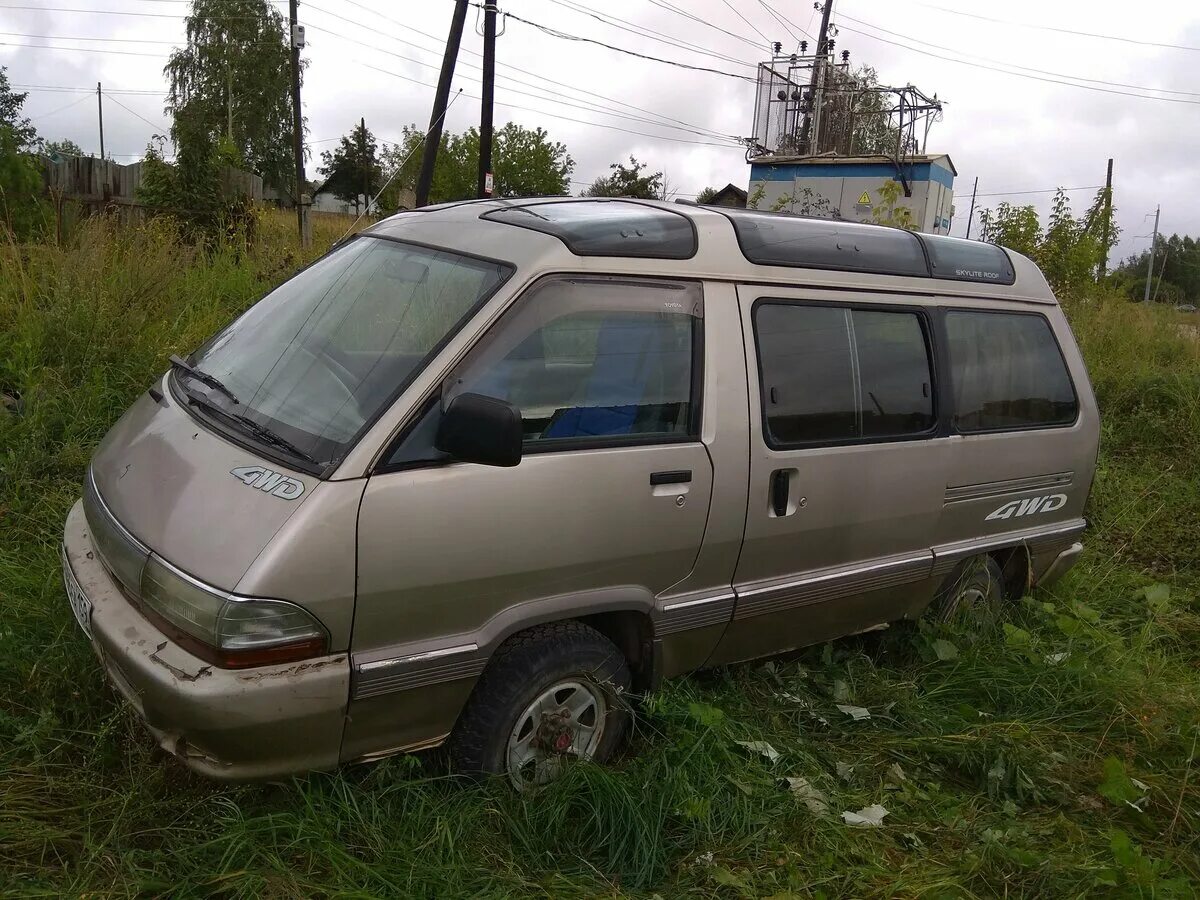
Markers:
(590, 360)
(839, 374)
(961, 260)
(893, 368)
(777, 239)
(807, 373)
(606, 227)
(1008, 372)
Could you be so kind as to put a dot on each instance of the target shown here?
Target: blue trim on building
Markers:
(792, 171)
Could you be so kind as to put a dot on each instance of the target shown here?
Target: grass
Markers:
(1057, 756)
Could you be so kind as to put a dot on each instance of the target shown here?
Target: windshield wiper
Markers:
(203, 377)
(262, 432)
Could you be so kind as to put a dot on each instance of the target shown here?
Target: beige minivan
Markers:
(487, 470)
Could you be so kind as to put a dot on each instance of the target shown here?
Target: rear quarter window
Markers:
(1007, 372)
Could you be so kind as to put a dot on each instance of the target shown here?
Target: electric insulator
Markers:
(845, 56)
(804, 46)
(778, 48)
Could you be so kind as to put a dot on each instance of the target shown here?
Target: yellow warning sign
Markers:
(865, 199)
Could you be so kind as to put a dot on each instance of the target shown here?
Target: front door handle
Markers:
(678, 476)
(780, 491)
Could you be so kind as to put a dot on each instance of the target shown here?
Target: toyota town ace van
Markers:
(488, 470)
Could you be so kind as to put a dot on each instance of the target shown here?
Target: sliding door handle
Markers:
(678, 476)
(780, 491)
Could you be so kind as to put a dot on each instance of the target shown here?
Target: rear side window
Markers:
(836, 374)
(1007, 372)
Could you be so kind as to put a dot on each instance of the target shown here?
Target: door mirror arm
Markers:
(480, 429)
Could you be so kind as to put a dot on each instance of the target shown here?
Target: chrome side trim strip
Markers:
(832, 585)
(947, 556)
(965, 492)
(416, 657)
(686, 604)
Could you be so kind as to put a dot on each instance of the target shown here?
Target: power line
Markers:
(554, 32)
(753, 27)
(1090, 34)
(1053, 190)
(62, 88)
(976, 65)
(669, 7)
(86, 50)
(578, 90)
(590, 107)
(59, 109)
(643, 32)
(118, 12)
(159, 125)
(542, 112)
(787, 25)
(1102, 81)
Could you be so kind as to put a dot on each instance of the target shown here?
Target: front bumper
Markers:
(230, 724)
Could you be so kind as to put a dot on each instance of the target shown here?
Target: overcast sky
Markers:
(1015, 134)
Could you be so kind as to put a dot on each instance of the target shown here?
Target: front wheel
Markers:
(551, 695)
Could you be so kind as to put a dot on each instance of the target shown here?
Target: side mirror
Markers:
(482, 430)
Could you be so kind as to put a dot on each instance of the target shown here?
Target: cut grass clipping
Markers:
(1055, 756)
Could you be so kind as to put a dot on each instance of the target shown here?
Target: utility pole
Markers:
(433, 137)
(100, 112)
(971, 214)
(1153, 247)
(362, 159)
(298, 127)
(1107, 225)
(489, 90)
(810, 140)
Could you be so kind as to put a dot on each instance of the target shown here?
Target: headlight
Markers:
(230, 631)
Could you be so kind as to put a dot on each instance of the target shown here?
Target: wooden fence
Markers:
(101, 182)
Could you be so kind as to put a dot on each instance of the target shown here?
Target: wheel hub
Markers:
(564, 722)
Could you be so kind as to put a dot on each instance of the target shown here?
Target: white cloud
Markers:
(1013, 133)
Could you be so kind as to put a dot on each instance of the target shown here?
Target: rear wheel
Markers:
(973, 597)
(550, 696)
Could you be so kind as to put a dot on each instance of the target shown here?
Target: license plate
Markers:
(81, 606)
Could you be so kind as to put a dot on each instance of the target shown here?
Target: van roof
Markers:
(743, 244)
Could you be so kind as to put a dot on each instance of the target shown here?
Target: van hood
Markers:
(199, 501)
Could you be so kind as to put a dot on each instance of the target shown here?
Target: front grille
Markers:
(122, 554)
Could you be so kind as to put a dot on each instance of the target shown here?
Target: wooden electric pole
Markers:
(100, 113)
(489, 90)
(1106, 225)
(362, 161)
(433, 137)
(1153, 247)
(297, 36)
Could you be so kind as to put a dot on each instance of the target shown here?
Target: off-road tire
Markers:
(523, 667)
(972, 596)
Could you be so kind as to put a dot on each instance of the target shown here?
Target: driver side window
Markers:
(595, 361)
(589, 362)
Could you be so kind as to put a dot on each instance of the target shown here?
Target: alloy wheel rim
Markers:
(565, 722)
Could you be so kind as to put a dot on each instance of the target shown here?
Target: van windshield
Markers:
(321, 355)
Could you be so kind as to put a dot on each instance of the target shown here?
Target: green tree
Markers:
(627, 181)
(707, 195)
(23, 133)
(353, 168)
(630, 180)
(65, 147)
(890, 210)
(1068, 251)
(525, 163)
(234, 79)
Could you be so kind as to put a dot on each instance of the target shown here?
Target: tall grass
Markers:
(1057, 756)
